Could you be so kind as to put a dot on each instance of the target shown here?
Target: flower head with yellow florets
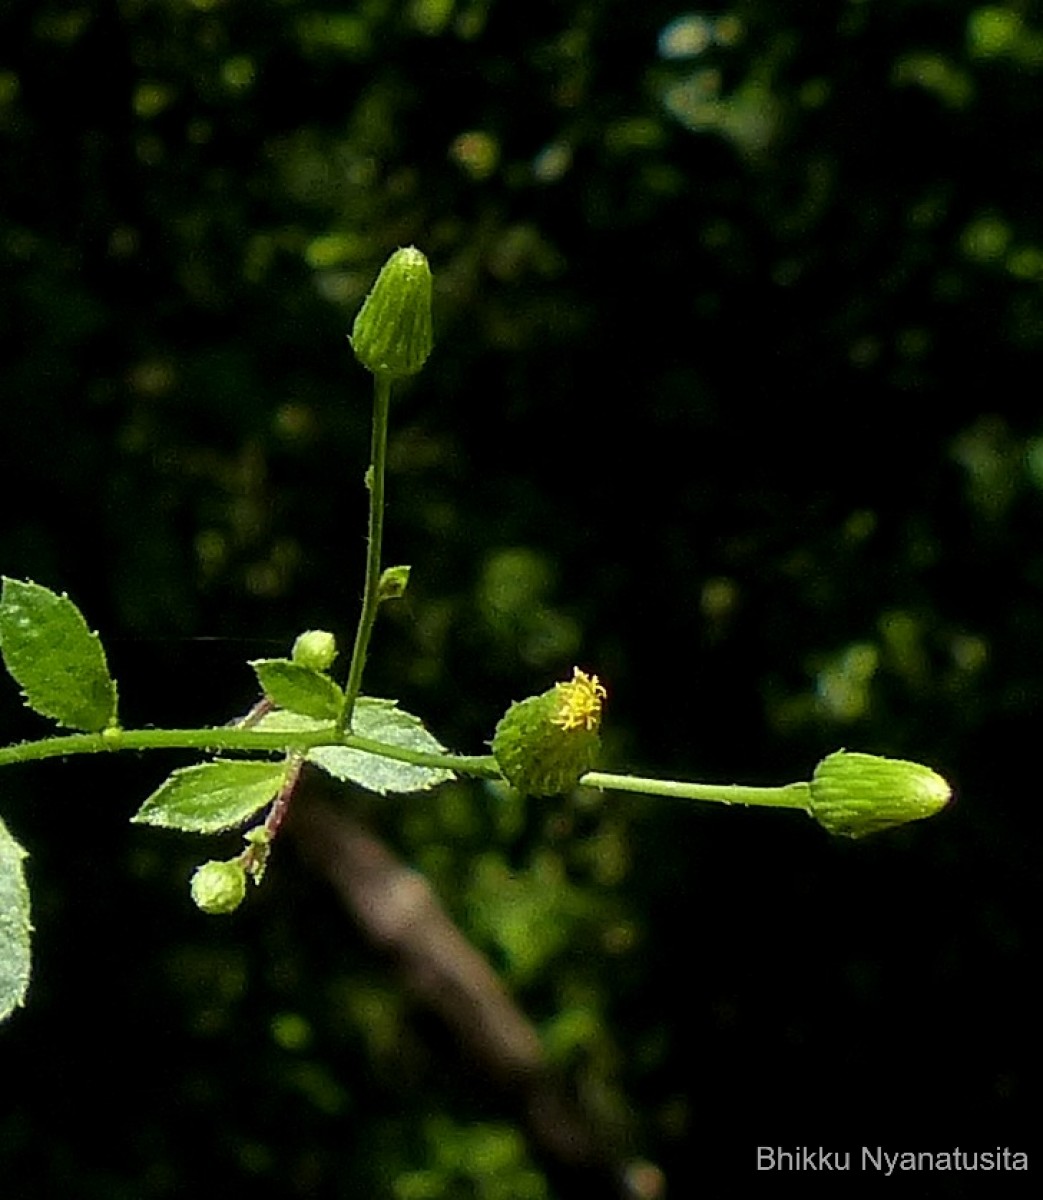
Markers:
(544, 744)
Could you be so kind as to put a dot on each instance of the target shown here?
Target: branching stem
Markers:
(233, 739)
(230, 739)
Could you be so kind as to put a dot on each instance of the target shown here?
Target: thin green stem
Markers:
(370, 594)
(230, 739)
(235, 739)
(790, 795)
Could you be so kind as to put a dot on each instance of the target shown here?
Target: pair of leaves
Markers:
(218, 795)
(61, 668)
(55, 658)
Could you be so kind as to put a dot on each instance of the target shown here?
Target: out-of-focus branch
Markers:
(400, 915)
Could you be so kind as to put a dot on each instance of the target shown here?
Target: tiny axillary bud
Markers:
(854, 794)
(392, 335)
(393, 583)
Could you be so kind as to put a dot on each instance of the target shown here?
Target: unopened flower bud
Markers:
(392, 333)
(219, 887)
(544, 744)
(315, 649)
(855, 794)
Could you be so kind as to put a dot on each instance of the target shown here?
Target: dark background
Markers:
(735, 401)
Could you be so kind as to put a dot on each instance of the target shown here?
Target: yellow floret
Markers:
(579, 701)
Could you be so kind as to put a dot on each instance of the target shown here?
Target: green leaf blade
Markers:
(54, 657)
(213, 796)
(384, 721)
(299, 689)
(15, 927)
(381, 721)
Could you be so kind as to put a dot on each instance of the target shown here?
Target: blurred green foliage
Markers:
(738, 314)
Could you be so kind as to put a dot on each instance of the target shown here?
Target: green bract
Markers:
(393, 583)
(392, 336)
(855, 794)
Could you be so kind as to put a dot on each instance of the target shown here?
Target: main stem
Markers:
(228, 738)
(233, 739)
(370, 595)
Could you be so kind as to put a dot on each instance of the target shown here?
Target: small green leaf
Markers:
(14, 925)
(212, 796)
(299, 689)
(393, 583)
(383, 721)
(56, 660)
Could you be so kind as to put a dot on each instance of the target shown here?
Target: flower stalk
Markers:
(392, 338)
(374, 544)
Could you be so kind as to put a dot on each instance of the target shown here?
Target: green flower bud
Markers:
(219, 887)
(855, 794)
(315, 649)
(392, 333)
(545, 743)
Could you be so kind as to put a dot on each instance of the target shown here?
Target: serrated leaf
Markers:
(212, 796)
(15, 929)
(299, 689)
(55, 658)
(383, 721)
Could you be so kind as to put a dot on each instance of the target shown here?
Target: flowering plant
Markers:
(544, 745)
